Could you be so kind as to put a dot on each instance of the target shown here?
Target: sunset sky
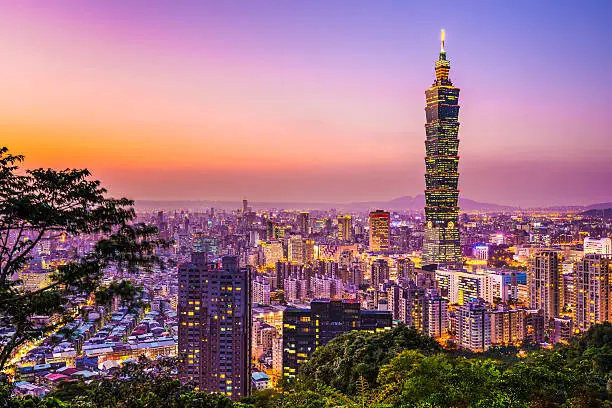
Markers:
(309, 100)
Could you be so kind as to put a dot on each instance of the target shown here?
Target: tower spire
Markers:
(442, 37)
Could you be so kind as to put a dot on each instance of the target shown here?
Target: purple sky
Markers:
(309, 100)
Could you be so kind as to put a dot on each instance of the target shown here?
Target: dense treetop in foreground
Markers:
(400, 368)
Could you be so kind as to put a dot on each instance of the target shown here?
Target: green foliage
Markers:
(421, 375)
(139, 385)
(43, 204)
(361, 354)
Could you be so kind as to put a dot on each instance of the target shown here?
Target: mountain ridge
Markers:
(406, 203)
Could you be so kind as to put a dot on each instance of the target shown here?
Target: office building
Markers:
(379, 231)
(296, 249)
(441, 238)
(461, 287)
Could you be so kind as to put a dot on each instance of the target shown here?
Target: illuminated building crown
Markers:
(442, 65)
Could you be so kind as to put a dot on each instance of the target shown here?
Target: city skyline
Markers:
(309, 102)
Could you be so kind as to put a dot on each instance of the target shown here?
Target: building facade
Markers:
(593, 283)
(215, 325)
(304, 329)
(545, 280)
(379, 230)
(441, 237)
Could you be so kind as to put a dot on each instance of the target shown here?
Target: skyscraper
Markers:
(379, 231)
(215, 325)
(441, 241)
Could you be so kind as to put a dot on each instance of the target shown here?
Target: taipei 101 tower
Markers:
(441, 242)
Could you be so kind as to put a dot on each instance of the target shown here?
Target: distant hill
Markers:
(600, 206)
(465, 204)
(406, 203)
(604, 212)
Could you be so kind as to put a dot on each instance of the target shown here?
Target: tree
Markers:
(44, 204)
(346, 358)
(146, 383)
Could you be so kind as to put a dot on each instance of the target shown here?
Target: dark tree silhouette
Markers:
(42, 204)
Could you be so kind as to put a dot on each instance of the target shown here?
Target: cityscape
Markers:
(287, 301)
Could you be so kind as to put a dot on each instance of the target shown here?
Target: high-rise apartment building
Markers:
(507, 326)
(379, 230)
(435, 315)
(215, 325)
(474, 326)
(380, 272)
(545, 282)
(345, 228)
(404, 268)
(441, 239)
(592, 285)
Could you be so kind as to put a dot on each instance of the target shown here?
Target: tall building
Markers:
(303, 221)
(379, 230)
(592, 286)
(507, 326)
(380, 272)
(295, 249)
(461, 287)
(474, 326)
(405, 268)
(545, 281)
(435, 315)
(602, 246)
(215, 325)
(345, 228)
(441, 238)
(306, 329)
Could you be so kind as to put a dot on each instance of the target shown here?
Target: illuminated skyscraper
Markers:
(345, 228)
(379, 230)
(441, 244)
